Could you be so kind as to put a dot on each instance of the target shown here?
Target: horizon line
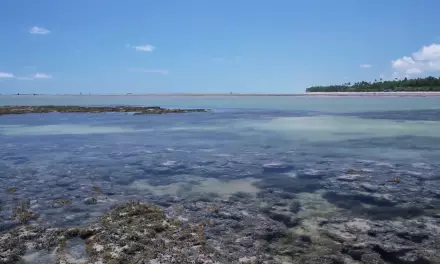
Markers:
(231, 94)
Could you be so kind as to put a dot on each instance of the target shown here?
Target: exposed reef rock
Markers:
(131, 233)
(138, 110)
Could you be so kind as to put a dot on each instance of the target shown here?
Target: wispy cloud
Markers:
(4, 75)
(24, 78)
(144, 48)
(39, 30)
(427, 59)
(161, 71)
(365, 66)
(39, 75)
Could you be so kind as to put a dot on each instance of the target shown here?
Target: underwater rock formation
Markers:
(130, 233)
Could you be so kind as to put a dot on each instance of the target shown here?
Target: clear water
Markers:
(62, 156)
(301, 103)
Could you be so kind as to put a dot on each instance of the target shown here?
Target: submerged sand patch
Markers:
(335, 128)
(191, 186)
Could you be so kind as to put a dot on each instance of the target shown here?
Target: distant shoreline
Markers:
(311, 94)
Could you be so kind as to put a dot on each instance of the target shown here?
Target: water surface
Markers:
(50, 157)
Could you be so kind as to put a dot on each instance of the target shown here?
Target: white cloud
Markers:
(425, 60)
(161, 71)
(366, 66)
(146, 48)
(403, 62)
(41, 76)
(39, 30)
(428, 53)
(6, 75)
(413, 71)
(24, 78)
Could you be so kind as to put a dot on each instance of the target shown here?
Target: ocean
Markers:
(350, 158)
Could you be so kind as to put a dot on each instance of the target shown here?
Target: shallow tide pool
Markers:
(94, 161)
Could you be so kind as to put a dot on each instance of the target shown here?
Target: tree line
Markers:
(406, 85)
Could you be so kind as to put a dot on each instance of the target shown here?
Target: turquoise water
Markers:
(316, 103)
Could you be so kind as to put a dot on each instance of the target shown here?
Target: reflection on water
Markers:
(297, 170)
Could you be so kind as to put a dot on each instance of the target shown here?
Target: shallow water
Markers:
(48, 157)
(302, 103)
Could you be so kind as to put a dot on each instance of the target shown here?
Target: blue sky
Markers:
(199, 46)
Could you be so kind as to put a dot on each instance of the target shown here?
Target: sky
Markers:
(200, 46)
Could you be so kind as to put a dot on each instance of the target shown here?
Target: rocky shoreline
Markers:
(357, 216)
(137, 110)
(275, 227)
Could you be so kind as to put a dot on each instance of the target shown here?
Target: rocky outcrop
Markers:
(397, 241)
(140, 233)
(138, 110)
(130, 233)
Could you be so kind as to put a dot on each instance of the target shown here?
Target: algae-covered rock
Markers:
(11, 190)
(139, 232)
(130, 233)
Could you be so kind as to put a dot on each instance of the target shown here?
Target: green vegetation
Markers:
(353, 171)
(21, 212)
(62, 202)
(428, 84)
(11, 190)
(96, 189)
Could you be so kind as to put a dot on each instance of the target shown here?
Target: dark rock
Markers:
(91, 200)
(416, 237)
(305, 239)
(371, 258)
(8, 110)
(269, 233)
(294, 206)
(287, 219)
(139, 222)
(324, 260)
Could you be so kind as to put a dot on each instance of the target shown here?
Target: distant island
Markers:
(428, 84)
